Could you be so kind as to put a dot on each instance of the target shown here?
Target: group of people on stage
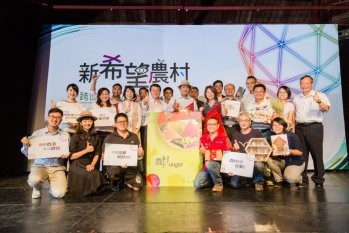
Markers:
(229, 122)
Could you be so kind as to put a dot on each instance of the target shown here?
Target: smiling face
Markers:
(168, 95)
(54, 119)
(184, 90)
(129, 94)
(143, 93)
(306, 85)
(259, 94)
(194, 93)
(116, 91)
(155, 92)
(210, 95)
(250, 82)
(277, 128)
(219, 87)
(71, 94)
(282, 94)
(229, 90)
(105, 96)
(121, 124)
(86, 124)
(212, 125)
(244, 122)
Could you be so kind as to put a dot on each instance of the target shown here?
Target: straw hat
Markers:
(184, 82)
(84, 115)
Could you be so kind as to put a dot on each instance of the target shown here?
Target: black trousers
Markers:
(312, 137)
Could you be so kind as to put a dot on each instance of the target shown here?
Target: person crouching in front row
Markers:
(212, 145)
(128, 174)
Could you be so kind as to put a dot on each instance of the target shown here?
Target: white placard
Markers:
(105, 116)
(120, 154)
(233, 107)
(279, 144)
(240, 164)
(70, 113)
(48, 146)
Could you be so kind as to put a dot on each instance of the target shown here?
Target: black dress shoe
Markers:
(117, 185)
(319, 186)
(301, 185)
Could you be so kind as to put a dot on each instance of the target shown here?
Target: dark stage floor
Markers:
(180, 209)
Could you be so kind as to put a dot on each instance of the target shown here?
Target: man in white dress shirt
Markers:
(310, 108)
(248, 98)
(184, 102)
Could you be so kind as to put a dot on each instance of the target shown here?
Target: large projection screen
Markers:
(140, 55)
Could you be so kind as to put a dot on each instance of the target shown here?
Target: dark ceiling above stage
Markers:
(196, 11)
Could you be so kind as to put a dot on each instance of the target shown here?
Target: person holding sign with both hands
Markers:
(48, 168)
(123, 173)
(289, 164)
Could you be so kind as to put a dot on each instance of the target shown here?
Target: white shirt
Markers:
(63, 103)
(307, 110)
(109, 129)
(153, 106)
(183, 102)
(134, 113)
(288, 107)
(261, 112)
(247, 100)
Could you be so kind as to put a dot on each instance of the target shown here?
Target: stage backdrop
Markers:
(140, 55)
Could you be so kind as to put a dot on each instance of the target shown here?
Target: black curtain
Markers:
(20, 29)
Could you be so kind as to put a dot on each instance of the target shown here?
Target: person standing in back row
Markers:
(310, 108)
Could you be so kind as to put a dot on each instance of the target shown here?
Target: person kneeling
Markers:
(130, 175)
(212, 145)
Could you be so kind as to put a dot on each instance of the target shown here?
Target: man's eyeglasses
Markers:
(121, 122)
(55, 117)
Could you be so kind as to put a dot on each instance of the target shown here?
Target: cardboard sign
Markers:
(48, 146)
(279, 143)
(105, 116)
(240, 164)
(120, 154)
(70, 114)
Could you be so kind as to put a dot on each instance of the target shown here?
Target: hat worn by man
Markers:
(84, 115)
(184, 83)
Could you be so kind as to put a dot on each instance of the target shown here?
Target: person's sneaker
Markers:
(116, 185)
(258, 186)
(36, 193)
(279, 184)
(132, 187)
(217, 188)
(269, 183)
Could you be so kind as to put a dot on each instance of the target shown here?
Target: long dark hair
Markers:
(83, 135)
(99, 93)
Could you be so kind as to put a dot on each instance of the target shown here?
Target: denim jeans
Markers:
(210, 176)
